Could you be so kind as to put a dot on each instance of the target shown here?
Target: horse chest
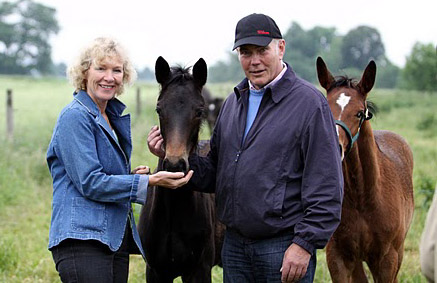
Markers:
(179, 228)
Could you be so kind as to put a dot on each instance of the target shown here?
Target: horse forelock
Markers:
(345, 81)
(180, 75)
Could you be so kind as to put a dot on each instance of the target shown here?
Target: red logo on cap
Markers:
(262, 32)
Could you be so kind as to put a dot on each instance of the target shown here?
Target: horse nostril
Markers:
(180, 166)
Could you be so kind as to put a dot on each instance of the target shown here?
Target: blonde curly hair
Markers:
(100, 49)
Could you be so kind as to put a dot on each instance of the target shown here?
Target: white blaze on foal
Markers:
(342, 101)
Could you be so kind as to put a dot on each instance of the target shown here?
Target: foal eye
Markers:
(158, 110)
(199, 113)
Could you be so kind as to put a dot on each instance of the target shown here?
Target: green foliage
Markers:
(387, 75)
(226, 71)
(360, 45)
(425, 186)
(304, 46)
(8, 256)
(420, 70)
(25, 30)
(428, 124)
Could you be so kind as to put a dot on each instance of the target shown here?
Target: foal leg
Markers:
(153, 276)
(339, 269)
(201, 274)
(358, 274)
(385, 268)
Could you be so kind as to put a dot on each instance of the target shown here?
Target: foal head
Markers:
(347, 100)
(181, 109)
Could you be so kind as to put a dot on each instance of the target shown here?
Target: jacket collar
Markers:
(115, 107)
(278, 90)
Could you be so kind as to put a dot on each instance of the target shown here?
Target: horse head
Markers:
(347, 99)
(181, 109)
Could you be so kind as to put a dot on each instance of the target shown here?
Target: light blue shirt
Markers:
(255, 97)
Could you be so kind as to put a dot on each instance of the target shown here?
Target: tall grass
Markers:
(25, 183)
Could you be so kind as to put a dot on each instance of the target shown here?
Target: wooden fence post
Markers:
(138, 102)
(9, 115)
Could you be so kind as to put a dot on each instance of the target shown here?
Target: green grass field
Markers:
(25, 183)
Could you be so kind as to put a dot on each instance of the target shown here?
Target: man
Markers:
(274, 165)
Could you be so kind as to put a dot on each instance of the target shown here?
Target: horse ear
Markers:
(368, 79)
(326, 79)
(200, 72)
(162, 70)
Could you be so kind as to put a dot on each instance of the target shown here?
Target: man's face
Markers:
(262, 64)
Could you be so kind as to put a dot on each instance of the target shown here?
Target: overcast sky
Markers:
(183, 31)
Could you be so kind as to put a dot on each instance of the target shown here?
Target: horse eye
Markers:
(158, 110)
(199, 113)
(360, 114)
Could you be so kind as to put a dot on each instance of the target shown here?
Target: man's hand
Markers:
(295, 263)
(171, 180)
(155, 141)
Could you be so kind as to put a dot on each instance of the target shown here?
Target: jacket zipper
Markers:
(237, 157)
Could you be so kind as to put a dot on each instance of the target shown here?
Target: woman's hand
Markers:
(155, 142)
(171, 180)
(141, 170)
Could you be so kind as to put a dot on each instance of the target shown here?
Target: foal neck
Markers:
(361, 167)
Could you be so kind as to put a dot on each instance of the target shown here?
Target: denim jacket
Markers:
(92, 185)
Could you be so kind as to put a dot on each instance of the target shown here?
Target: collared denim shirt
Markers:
(92, 185)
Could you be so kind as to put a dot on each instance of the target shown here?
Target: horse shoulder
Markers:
(395, 148)
(397, 167)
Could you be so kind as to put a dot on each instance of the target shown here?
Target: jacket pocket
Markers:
(277, 199)
(88, 216)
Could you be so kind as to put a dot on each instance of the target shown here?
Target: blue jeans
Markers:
(246, 260)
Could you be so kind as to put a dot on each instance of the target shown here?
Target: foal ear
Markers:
(200, 72)
(368, 79)
(162, 70)
(326, 79)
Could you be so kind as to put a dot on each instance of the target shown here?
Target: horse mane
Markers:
(345, 81)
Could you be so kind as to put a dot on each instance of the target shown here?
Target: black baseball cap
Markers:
(256, 29)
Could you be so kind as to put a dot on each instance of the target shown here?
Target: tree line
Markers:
(26, 28)
(348, 54)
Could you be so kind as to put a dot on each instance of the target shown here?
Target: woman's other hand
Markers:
(141, 170)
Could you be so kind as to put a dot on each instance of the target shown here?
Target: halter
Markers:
(367, 116)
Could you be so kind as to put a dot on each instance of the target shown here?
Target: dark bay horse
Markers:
(214, 104)
(378, 188)
(178, 229)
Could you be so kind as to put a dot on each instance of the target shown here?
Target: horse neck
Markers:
(361, 168)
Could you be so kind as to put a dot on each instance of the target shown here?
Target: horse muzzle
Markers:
(176, 164)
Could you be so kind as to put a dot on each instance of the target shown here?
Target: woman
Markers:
(92, 227)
